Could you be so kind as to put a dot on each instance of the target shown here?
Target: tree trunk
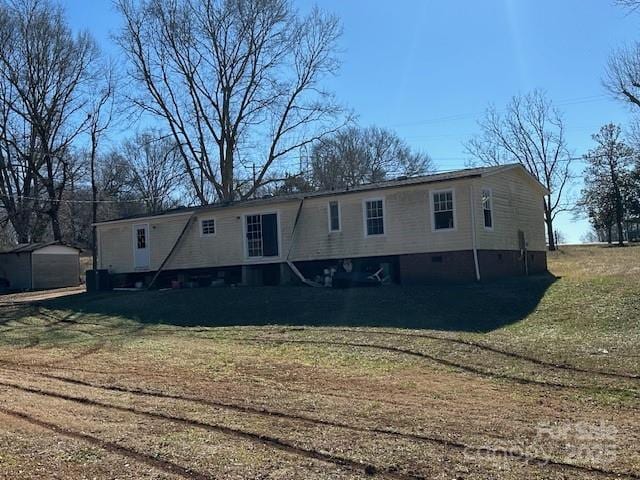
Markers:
(549, 221)
(550, 234)
(55, 224)
(94, 212)
(22, 236)
(619, 205)
(620, 234)
(609, 234)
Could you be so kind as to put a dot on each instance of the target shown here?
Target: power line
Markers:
(463, 116)
(306, 172)
(67, 200)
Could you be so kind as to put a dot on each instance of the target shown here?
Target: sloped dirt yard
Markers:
(86, 393)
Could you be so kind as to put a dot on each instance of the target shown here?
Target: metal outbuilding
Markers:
(38, 266)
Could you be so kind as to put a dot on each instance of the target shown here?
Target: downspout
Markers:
(473, 232)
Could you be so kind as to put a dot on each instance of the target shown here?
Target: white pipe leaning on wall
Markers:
(473, 231)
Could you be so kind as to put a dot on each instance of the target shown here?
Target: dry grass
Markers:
(589, 261)
(91, 387)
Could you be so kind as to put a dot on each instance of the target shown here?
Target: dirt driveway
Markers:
(26, 297)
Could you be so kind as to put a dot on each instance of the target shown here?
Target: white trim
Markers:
(384, 217)
(261, 259)
(490, 190)
(141, 219)
(339, 216)
(432, 211)
(147, 240)
(215, 226)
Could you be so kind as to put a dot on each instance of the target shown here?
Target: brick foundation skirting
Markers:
(459, 266)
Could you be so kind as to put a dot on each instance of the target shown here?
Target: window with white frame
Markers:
(374, 217)
(334, 217)
(443, 215)
(254, 235)
(487, 208)
(208, 226)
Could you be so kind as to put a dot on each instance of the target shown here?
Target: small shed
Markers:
(37, 266)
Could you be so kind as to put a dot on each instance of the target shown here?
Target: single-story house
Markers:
(464, 225)
(37, 266)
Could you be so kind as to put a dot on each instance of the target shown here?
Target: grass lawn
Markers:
(523, 378)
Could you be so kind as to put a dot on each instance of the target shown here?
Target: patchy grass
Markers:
(523, 378)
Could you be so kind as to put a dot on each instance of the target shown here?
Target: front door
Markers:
(141, 247)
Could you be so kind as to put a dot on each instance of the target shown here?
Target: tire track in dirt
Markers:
(481, 346)
(262, 439)
(159, 376)
(155, 462)
(442, 361)
(478, 345)
(381, 431)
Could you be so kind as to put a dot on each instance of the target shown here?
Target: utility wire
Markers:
(307, 172)
(67, 200)
(463, 116)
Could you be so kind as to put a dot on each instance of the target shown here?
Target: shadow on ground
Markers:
(471, 308)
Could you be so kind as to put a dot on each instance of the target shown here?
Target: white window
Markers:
(262, 235)
(208, 226)
(334, 216)
(254, 235)
(374, 217)
(487, 208)
(443, 211)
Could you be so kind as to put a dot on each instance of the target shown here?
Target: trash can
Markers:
(98, 283)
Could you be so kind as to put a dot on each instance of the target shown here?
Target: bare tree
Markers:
(19, 186)
(100, 117)
(46, 73)
(156, 169)
(355, 156)
(609, 164)
(232, 80)
(631, 5)
(622, 76)
(531, 132)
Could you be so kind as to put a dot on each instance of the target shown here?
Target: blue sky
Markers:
(428, 69)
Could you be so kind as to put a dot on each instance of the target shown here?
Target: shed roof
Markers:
(397, 182)
(32, 247)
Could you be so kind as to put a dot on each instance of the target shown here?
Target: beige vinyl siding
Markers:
(115, 247)
(517, 205)
(407, 220)
(225, 248)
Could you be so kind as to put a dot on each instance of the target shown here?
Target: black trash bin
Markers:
(98, 283)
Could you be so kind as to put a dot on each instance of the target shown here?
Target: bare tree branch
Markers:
(226, 74)
(531, 132)
(46, 76)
